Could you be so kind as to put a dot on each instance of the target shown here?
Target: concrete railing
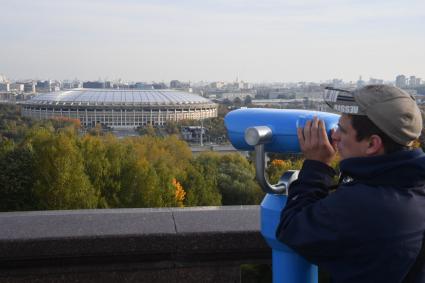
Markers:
(204, 244)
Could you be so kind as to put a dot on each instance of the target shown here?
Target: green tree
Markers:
(96, 165)
(248, 100)
(216, 129)
(237, 101)
(167, 157)
(16, 180)
(200, 182)
(60, 181)
(165, 189)
(172, 128)
(139, 185)
(6, 145)
(147, 130)
(236, 181)
(117, 154)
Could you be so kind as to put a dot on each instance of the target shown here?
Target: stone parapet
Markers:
(203, 244)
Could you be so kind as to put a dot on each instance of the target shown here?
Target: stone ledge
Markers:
(129, 241)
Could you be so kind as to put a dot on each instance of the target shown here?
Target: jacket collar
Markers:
(401, 169)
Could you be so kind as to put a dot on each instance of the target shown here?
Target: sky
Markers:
(206, 40)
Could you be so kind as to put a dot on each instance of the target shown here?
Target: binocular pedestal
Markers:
(288, 266)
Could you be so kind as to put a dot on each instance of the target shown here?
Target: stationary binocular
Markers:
(275, 128)
(271, 130)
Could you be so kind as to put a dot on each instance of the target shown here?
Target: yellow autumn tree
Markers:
(180, 193)
(277, 167)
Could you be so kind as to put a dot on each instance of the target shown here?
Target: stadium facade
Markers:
(120, 108)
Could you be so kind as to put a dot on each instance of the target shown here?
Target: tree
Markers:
(139, 185)
(172, 128)
(60, 181)
(276, 169)
(96, 165)
(236, 181)
(223, 110)
(227, 102)
(237, 101)
(147, 130)
(6, 145)
(248, 100)
(180, 194)
(201, 181)
(117, 155)
(16, 180)
(165, 188)
(97, 130)
(222, 179)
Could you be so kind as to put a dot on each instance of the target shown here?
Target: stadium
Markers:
(120, 108)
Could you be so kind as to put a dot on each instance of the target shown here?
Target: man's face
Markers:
(346, 142)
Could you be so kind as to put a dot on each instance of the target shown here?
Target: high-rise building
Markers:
(29, 87)
(18, 87)
(412, 81)
(360, 82)
(44, 86)
(400, 81)
(5, 86)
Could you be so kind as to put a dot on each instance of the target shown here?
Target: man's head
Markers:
(376, 119)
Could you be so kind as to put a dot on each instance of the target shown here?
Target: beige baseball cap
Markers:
(391, 109)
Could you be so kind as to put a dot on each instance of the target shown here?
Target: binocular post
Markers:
(287, 265)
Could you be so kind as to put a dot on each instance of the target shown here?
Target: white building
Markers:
(120, 108)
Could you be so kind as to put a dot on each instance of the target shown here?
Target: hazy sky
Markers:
(255, 40)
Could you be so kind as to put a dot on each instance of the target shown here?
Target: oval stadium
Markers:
(120, 108)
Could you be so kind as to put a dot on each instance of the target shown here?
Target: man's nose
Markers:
(335, 135)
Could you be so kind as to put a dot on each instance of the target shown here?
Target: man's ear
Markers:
(375, 146)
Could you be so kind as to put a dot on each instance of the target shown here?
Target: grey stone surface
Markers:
(85, 223)
(85, 233)
(233, 231)
(215, 219)
(204, 244)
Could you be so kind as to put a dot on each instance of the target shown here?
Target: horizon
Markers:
(271, 41)
(202, 82)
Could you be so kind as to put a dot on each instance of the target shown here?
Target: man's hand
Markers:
(314, 142)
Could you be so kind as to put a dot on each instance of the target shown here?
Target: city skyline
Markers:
(212, 41)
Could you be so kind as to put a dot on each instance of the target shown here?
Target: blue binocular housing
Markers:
(282, 122)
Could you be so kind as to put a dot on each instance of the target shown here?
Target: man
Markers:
(371, 229)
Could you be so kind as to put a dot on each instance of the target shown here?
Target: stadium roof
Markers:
(118, 97)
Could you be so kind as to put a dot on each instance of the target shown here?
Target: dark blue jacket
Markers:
(371, 229)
